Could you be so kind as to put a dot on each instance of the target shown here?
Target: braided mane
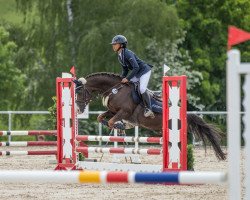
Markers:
(112, 75)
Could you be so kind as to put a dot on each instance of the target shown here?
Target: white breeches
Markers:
(144, 79)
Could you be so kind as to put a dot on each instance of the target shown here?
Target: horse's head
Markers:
(83, 95)
(96, 83)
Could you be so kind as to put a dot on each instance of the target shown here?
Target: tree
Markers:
(11, 78)
(79, 32)
(206, 23)
(180, 63)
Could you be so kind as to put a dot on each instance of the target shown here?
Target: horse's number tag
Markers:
(114, 91)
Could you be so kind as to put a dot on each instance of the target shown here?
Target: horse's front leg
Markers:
(107, 114)
(121, 114)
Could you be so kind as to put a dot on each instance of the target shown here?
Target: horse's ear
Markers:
(82, 80)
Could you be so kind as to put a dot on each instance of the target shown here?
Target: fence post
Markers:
(233, 124)
(9, 125)
(174, 119)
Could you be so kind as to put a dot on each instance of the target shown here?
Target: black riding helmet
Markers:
(120, 39)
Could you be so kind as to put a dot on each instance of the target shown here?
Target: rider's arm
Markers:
(124, 71)
(131, 59)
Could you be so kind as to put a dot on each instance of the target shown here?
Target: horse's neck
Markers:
(101, 85)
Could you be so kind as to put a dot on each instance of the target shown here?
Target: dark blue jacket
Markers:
(129, 61)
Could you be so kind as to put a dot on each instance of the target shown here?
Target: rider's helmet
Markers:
(120, 39)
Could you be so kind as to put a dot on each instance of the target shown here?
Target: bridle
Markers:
(86, 96)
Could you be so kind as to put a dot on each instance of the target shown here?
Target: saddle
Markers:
(155, 98)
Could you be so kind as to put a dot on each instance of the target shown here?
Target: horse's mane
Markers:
(112, 75)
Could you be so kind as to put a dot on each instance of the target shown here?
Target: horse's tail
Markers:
(203, 131)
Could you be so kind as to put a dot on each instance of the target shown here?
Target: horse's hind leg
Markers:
(121, 114)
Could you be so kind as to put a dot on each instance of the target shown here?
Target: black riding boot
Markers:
(148, 108)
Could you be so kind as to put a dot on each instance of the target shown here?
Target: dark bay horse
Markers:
(118, 99)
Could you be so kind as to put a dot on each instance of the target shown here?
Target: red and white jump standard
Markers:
(66, 122)
(174, 120)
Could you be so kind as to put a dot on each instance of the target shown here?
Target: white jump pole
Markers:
(233, 124)
(234, 70)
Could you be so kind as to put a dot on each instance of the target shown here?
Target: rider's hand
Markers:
(124, 80)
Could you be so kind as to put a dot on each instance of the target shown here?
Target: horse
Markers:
(116, 96)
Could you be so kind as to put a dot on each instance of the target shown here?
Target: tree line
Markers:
(189, 36)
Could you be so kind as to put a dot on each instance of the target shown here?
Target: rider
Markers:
(140, 71)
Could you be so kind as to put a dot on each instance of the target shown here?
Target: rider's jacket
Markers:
(129, 61)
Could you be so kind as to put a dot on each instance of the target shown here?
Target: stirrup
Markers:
(149, 113)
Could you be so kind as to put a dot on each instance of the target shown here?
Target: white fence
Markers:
(100, 131)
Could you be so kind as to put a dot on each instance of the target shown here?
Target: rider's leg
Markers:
(134, 79)
(144, 79)
(147, 103)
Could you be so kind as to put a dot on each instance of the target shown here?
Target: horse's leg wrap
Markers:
(120, 126)
(105, 123)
